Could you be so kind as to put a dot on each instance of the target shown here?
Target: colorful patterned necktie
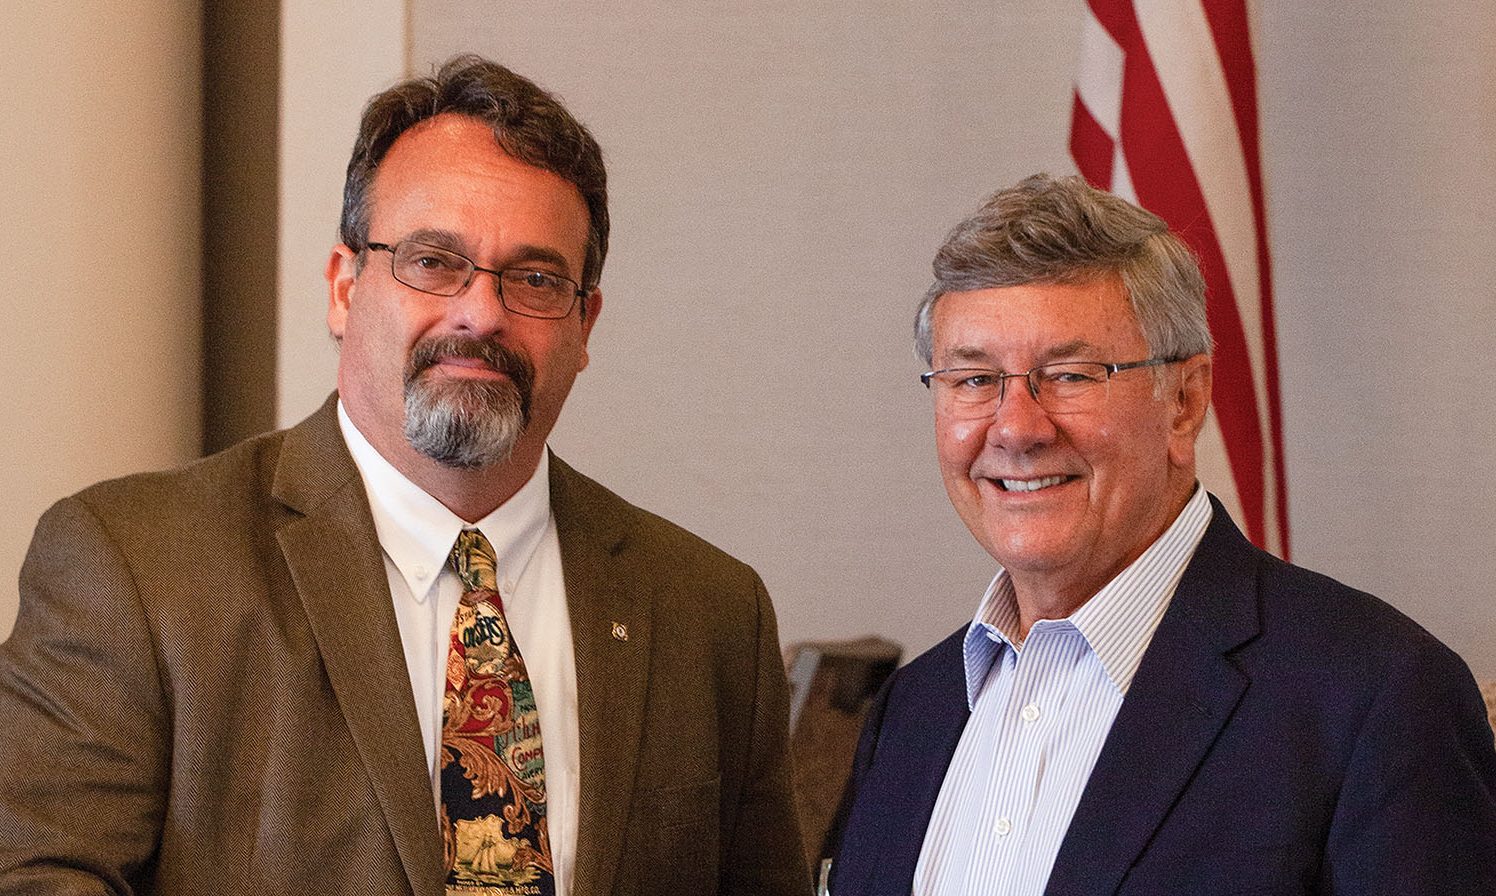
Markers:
(493, 772)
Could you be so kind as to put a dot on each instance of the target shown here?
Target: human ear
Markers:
(1190, 397)
(342, 275)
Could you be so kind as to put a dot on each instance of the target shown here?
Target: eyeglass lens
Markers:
(440, 272)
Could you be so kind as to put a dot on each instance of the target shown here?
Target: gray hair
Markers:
(1063, 230)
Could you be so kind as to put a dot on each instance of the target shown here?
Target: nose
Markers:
(1028, 385)
(1019, 423)
(479, 308)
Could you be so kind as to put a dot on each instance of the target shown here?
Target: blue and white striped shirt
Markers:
(1040, 711)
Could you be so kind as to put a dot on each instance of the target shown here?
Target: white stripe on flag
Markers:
(1099, 81)
(1184, 55)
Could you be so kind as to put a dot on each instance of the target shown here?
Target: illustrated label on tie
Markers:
(486, 631)
(521, 744)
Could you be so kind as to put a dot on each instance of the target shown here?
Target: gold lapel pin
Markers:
(620, 632)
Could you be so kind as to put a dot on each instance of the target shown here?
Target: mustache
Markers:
(508, 361)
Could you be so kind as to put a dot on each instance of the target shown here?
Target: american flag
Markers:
(1165, 114)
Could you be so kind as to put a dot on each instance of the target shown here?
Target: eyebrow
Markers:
(435, 236)
(542, 254)
(522, 254)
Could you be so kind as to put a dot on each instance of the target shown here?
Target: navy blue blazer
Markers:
(1285, 734)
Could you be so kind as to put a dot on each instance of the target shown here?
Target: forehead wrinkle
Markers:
(1074, 349)
(966, 354)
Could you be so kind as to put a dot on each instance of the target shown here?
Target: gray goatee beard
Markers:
(467, 424)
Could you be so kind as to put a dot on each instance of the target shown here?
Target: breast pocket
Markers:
(1234, 871)
(678, 839)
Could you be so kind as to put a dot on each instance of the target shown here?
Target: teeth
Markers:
(1031, 485)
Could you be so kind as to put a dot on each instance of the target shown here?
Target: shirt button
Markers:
(1003, 827)
(422, 572)
(1030, 713)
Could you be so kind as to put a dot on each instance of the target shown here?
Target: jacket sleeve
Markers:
(1417, 811)
(85, 737)
(763, 854)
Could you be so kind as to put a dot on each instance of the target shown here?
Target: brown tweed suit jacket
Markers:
(205, 693)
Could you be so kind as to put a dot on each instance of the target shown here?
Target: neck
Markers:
(1036, 603)
(471, 494)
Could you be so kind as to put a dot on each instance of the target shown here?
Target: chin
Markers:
(1021, 550)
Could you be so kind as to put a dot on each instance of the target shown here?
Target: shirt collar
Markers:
(416, 531)
(1118, 622)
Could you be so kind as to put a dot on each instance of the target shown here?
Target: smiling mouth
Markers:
(1030, 485)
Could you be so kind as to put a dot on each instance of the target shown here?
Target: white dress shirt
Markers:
(1041, 709)
(416, 533)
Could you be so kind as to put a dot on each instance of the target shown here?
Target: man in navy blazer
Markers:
(1145, 703)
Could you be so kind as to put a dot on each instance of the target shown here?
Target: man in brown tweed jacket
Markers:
(227, 678)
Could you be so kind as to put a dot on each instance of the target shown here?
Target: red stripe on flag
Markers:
(1117, 18)
(1090, 146)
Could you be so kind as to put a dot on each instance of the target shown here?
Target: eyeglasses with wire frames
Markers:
(442, 272)
(1064, 387)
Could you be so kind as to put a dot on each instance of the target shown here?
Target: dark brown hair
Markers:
(529, 124)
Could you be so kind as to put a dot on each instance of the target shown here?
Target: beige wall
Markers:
(99, 174)
(1380, 130)
(780, 181)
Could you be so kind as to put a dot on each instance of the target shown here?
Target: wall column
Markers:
(99, 166)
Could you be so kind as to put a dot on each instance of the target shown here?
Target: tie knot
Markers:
(474, 562)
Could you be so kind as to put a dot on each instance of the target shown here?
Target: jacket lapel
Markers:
(1185, 691)
(334, 560)
(933, 730)
(602, 594)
